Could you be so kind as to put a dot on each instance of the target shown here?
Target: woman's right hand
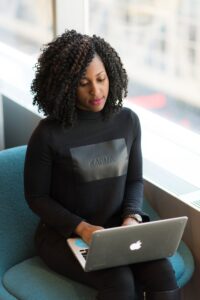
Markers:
(85, 231)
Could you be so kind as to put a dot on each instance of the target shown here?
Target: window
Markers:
(25, 25)
(159, 42)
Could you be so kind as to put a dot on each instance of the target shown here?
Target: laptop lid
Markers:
(132, 244)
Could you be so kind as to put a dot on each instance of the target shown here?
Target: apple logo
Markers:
(136, 246)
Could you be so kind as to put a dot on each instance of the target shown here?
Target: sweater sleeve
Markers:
(37, 184)
(133, 198)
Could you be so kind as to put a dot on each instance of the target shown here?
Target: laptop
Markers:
(129, 244)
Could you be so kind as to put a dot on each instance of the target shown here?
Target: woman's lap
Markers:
(60, 258)
(153, 276)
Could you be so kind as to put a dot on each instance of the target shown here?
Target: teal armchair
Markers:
(23, 275)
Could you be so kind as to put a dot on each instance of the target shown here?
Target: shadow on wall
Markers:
(19, 123)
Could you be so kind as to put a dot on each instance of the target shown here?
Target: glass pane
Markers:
(159, 42)
(26, 25)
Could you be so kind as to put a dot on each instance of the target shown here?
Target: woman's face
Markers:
(93, 87)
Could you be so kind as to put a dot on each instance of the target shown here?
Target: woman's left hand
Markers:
(129, 221)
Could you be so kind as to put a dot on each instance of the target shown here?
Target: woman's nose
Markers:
(94, 89)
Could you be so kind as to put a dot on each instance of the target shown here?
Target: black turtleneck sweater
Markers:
(91, 171)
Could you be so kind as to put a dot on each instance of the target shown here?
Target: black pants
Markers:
(117, 283)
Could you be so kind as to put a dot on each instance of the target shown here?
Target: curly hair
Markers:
(60, 68)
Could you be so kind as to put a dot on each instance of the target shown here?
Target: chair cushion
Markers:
(33, 280)
(178, 265)
(189, 265)
(17, 222)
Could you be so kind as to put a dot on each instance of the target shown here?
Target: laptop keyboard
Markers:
(84, 253)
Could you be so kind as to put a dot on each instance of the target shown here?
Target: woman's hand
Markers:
(85, 231)
(130, 221)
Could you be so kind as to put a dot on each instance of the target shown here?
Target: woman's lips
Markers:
(96, 101)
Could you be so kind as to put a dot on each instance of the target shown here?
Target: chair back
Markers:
(17, 221)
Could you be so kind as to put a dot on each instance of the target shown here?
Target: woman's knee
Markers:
(165, 274)
(117, 283)
(157, 275)
(122, 277)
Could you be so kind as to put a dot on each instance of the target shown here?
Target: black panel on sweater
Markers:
(101, 160)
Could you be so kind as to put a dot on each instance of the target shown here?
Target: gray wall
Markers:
(19, 123)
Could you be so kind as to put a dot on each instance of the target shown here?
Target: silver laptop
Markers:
(129, 244)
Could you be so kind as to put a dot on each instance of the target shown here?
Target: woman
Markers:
(83, 168)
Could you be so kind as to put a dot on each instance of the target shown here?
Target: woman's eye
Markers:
(101, 79)
(83, 83)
